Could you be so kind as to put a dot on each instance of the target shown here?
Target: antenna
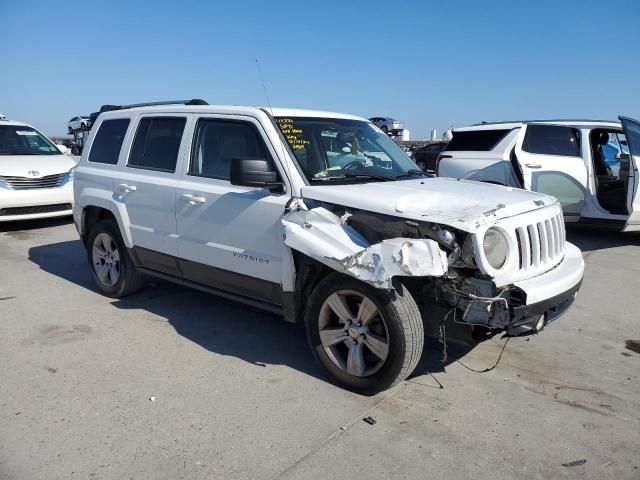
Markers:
(264, 87)
(284, 152)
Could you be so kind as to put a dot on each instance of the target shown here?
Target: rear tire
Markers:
(381, 343)
(112, 269)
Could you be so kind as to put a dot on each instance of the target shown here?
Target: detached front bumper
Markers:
(527, 305)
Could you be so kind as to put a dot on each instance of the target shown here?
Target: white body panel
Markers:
(430, 199)
(563, 177)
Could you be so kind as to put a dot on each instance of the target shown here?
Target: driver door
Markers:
(632, 131)
(551, 160)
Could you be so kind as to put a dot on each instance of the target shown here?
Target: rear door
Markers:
(146, 187)
(551, 161)
(632, 131)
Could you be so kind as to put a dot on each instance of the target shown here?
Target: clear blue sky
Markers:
(431, 64)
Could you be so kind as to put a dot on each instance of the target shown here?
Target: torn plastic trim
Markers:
(376, 227)
(329, 239)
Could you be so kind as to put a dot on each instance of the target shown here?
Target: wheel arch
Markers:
(308, 273)
(98, 208)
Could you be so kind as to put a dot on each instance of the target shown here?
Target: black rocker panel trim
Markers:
(195, 274)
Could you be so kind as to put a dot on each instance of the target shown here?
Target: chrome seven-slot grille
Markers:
(541, 244)
(24, 183)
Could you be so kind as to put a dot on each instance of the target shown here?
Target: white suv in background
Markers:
(35, 176)
(590, 166)
(319, 217)
(388, 125)
(78, 123)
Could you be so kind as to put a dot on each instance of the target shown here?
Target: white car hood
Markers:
(462, 204)
(21, 165)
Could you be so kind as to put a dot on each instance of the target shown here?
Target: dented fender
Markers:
(325, 237)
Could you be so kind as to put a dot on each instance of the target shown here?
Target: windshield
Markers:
(19, 140)
(332, 149)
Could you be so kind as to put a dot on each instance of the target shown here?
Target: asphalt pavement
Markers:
(174, 383)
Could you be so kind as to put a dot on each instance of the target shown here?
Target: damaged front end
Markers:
(436, 263)
(478, 302)
(370, 247)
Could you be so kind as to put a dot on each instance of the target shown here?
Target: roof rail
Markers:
(573, 120)
(110, 108)
(193, 101)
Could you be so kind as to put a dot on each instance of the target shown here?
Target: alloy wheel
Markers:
(353, 333)
(106, 259)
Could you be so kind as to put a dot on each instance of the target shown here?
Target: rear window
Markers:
(552, 140)
(108, 142)
(476, 140)
(157, 143)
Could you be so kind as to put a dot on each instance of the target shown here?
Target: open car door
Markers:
(632, 163)
(551, 162)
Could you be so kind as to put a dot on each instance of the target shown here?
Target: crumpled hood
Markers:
(20, 165)
(462, 204)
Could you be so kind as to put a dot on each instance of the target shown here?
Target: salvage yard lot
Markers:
(174, 383)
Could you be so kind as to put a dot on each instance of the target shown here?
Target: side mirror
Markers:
(64, 150)
(253, 173)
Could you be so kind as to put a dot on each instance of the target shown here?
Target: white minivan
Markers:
(590, 166)
(35, 176)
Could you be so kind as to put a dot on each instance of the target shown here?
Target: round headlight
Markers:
(495, 247)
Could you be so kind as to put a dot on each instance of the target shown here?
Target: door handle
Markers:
(194, 199)
(123, 187)
(533, 165)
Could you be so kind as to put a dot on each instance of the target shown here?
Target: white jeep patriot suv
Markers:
(319, 217)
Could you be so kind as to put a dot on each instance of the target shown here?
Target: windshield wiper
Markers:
(22, 153)
(353, 175)
(368, 175)
(411, 173)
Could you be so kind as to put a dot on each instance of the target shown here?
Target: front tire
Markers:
(366, 339)
(112, 270)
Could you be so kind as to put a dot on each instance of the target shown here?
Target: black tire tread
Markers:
(132, 280)
(411, 321)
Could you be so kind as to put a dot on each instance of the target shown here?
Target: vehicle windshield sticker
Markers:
(294, 135)
(26, 132)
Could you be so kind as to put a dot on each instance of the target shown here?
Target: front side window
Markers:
(217, 142)
(335, 149)
(108, 142)
(552, 140)
(157, 143)
(19, 140)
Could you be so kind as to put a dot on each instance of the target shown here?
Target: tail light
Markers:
(438, 160)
